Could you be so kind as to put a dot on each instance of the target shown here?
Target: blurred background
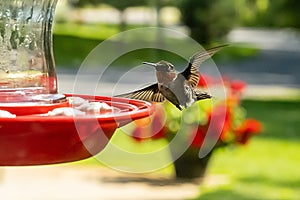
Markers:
(263, 34)
(264, 52)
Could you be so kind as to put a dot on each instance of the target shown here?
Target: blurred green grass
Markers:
(266, 168)
(85, 30)
(72, 42)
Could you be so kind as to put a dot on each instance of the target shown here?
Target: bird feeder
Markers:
(29, 135)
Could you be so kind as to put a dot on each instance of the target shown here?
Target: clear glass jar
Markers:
(27, 67)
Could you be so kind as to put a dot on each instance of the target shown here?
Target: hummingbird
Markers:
(178, 88)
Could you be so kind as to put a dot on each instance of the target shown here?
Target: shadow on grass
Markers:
(291, 184)
(223, 194)
(162, 181)
(280, 118)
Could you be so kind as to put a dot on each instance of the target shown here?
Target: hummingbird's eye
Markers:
(171, 67)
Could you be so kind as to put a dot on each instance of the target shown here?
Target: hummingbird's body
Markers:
(178, 88)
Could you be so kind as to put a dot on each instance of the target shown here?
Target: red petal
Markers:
(204, 80)
(137, 134)
(237, 86)
(198, 136)
(249, 126)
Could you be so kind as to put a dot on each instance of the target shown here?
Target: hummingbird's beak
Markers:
(151, 64)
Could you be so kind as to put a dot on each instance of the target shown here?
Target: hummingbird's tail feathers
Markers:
(202, 95)
(179, 107)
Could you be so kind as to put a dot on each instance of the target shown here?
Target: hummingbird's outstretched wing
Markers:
(191, 72)
(150, 93)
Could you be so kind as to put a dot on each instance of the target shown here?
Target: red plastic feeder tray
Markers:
(38, 139)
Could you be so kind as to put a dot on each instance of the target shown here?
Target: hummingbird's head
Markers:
(162, 66)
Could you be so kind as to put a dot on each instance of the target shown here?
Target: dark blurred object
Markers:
(266, 13)
(82, 3)
(207, 19)
(114, 3)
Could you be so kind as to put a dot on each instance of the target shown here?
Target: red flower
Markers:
(247, 129)
(237, 86)
(221, 123)
(225, 78)
(158, 129)
(160, 133)
(199, 135)
(138, 134)
(204, 80)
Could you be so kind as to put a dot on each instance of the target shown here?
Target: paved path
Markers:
(270, 67)
(73, 182)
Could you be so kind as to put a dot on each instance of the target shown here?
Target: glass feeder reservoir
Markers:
(27, 67)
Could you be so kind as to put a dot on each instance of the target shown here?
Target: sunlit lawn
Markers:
(266, 168)
(92, 31)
